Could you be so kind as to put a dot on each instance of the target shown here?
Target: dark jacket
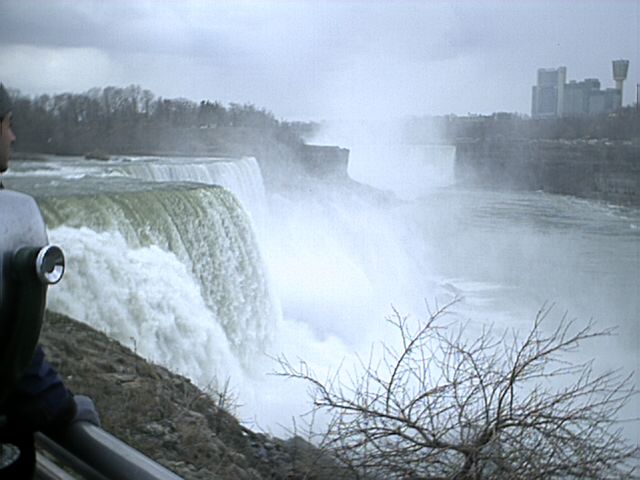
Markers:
(39, 401)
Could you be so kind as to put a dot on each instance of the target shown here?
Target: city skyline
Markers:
(311, 60)
(554, 95)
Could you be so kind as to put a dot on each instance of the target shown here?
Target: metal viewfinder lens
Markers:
(50, 264)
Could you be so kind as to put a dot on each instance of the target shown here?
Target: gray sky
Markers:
(319, 60)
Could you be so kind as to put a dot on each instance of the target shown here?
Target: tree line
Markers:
(622, 126)
(134, 120)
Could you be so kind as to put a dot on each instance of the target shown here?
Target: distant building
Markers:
(620, 70)
(586, 98)
(548, 94)
(554, 97)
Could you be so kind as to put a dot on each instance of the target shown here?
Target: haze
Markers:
(315, 60)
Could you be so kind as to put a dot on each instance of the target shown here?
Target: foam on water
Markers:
(338, 263)
(145, 298)
(207, 230)
(334, 262)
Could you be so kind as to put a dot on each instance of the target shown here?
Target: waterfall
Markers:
(170, 266)
(137, 235)
(240, 176)
(145, 298)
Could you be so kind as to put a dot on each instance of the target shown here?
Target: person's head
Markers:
(7, 136)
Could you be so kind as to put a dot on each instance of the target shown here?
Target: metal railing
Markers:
(94, 454)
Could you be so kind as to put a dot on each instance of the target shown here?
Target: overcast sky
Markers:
(319, 59)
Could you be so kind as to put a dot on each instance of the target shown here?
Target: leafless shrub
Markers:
(442, 406)
(225, 397)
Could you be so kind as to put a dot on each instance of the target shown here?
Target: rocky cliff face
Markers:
(323, 161)
(167, 418)
(597, 169)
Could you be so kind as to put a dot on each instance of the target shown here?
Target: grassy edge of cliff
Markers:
(166, 417)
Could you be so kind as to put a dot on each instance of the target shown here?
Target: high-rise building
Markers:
(548, 94)
(554, 97)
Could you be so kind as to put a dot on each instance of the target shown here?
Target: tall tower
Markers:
(620, 70)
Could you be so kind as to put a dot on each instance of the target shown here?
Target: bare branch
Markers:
(444, 406)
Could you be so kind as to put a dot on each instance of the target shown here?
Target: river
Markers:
(192, 279)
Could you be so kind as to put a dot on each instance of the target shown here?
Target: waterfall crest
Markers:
(205, 228)
(240, 176)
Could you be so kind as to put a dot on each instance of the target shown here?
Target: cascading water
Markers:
(151, 261)
(169, 268)
(208, 232)
(172, 268)
(145, 298)
(240, 176)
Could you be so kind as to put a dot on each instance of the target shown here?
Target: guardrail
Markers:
(95, 454)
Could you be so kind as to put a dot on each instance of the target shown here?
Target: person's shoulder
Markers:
(21, 220)
(11, 200)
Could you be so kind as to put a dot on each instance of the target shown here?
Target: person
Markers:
(7, 137)
(38, 400)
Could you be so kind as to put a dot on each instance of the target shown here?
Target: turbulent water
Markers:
(206, 280)
(159, 264)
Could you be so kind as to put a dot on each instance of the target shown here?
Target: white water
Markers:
(206, 229)
(145, 298)
(240, 176)
(338, 262)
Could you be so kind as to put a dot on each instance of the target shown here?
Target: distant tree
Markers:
(442, 406)
(131, 119)
(211, 114)
(622, 125)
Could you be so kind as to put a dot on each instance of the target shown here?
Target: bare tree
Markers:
(442, 406)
